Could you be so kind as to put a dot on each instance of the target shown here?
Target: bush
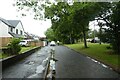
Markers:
(14, 47)
(109, 47)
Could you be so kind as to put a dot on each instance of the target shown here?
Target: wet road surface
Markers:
(30, 67)
(71, 64)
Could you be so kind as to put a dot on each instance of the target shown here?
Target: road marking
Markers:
(105, 66)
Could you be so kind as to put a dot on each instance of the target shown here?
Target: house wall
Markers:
(4, 30)
(5, 37)
(9, 30)
(19, 27)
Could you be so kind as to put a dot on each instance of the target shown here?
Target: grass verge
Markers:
(23, 49)
(99, 52)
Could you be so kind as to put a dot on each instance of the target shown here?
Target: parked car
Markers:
(24, 43)
(52, 43)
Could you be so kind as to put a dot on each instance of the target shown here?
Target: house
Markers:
(10, 29)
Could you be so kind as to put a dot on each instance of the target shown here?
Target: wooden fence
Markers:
(4, 41)
(35, 43)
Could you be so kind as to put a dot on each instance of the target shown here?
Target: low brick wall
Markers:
(13, 59)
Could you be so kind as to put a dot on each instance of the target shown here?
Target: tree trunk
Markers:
(70, 39)
(100, 33)
(84, 36)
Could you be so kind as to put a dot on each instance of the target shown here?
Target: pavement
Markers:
(31, 67)
(71, 64)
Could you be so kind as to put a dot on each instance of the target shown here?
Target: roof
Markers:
(16, 35)
(14, 22)
(6, 22)
(11, 23)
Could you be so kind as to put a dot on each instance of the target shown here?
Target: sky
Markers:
(9, 12)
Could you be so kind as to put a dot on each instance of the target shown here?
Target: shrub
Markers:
(14, 47)
(109, 47)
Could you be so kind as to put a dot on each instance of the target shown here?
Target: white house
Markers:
(10, 29)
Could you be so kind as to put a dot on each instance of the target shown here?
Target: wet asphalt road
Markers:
(71, 64)
(30, 67)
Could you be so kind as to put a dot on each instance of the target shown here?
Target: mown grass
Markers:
(97, 51)
(23, 49)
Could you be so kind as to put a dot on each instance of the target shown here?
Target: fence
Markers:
(4, 41)
(35, 43)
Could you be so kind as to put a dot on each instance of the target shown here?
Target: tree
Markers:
(115, 28)
(70, 20)
(83, 15)
(101, 24)
(111, 16)
(14, 47)
(62, 22)
(50, 34)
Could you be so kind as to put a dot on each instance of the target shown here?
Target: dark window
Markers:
(16, 31)
(21, 32)
(11, 29)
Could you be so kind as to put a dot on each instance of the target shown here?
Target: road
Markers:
(30, 67)
(71, 64)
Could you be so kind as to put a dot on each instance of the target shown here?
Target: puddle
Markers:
(32, 76)
(44, 62)
(40, 69)
(30, 62)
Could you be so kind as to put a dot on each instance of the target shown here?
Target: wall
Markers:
(19, 27)
(5, 37)
(9, 29)
(4, 30)
(16, 58)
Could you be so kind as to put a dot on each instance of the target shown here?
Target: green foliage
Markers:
(115, 28)
(70, 22)
(112, 19)
(50, 34)
(14, 47)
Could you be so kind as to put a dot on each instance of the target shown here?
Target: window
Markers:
(16, 31)
(21, 32)
(11, 29)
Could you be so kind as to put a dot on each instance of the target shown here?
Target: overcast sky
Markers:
(8, 12)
